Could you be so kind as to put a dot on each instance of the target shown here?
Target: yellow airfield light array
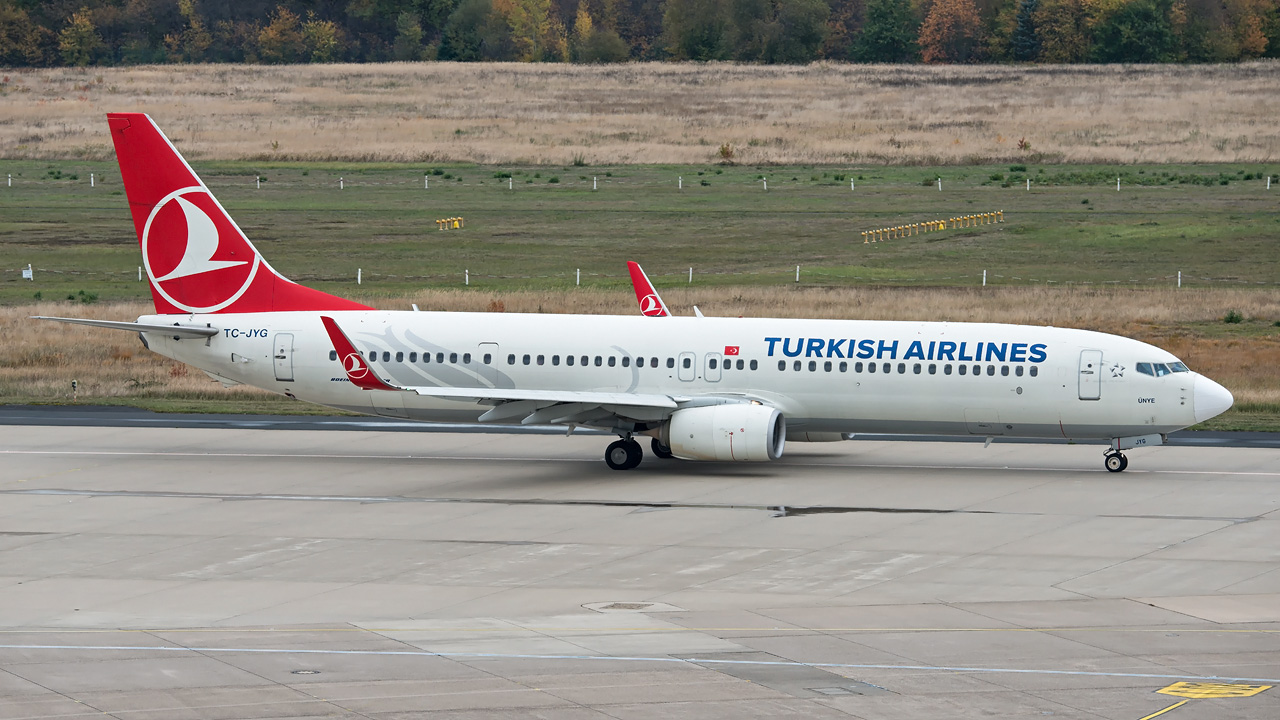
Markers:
(453, 223)
(963, 221)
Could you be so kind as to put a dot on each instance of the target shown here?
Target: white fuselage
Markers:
(935, 378)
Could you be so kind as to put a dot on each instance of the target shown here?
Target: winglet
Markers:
(358, 371)
(651, 304)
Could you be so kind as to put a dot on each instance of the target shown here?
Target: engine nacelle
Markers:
(739, 432)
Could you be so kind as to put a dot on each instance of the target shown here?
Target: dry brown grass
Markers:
(660, 113)
(39, 359)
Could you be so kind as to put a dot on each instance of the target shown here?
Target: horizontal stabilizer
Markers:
(192, 331)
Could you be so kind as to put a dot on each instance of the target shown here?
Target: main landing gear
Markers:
(660, 450)
(623, 454)
(1115, 461)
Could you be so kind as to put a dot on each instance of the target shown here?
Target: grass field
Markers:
(547, 114)
(1072, 250)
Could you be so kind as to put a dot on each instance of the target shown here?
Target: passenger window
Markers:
(753, 364)
(488, 358)
(653, 362)
(453, 357)
(687, 363)
(711, 363)
(585, 360)
(542, 359)
(826, 366)
(555, 360)
(933, 369)
(511, 359)
(946, 369)
(844, 366)
(466, 359)
(916, 369)
(413, 357)
(400, 356)
(526, 359)
(333, 355)
(782, 364)
(813, 365)
(426, 358)
(612, 361)
(1018, 371)
(888, 367)
(977, 369)
(640, 362)
(991, 370)
(599, 361)
(857, 367)
(798, 365)
(386, 356)
(871, 367)
(439, 357)
(1145, 369)
(1004, 371)
(963, 369)
(740, 365)
(1034, 371)
(626, 362)
(568, 360)
(902, 368)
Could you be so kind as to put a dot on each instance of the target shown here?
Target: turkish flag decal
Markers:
(730, 349)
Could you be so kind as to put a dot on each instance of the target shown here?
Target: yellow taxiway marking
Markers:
(1158, 713)
(1209, 690)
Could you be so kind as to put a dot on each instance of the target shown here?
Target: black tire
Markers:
(1124, 463)
(660, 450)
(618, 455)
(1115, 462)
(634, 454)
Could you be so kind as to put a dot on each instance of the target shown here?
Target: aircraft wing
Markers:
(175, 329)
(533, 406)
(651, 304)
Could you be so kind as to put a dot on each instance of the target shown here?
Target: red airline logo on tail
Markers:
(356, 367)
(650, 304)
(198, 260)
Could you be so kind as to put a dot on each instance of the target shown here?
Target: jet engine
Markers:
(739, 432)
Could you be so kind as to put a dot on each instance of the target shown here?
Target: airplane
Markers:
(712, 389)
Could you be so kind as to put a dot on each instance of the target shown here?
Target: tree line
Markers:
(36, 33)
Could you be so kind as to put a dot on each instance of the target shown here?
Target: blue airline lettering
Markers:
(869, 349)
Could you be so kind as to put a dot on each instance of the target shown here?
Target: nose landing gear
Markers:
(1115, 461)
(623, 454)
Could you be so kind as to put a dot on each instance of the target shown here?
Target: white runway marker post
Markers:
(341, 185)
(690, 276)
(466, 277)
(359, 272)
(939, 184)
(797, 273)
(1117, 184)
(578, 281)
(91, 180)
(511, 183)
(681, 183)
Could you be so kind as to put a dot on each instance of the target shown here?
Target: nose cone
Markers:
(1210, 399)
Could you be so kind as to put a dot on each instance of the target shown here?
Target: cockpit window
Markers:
(1178, 367)
(1145, 369)
(1161, 369)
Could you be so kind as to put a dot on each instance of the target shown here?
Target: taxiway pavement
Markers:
(155, 572)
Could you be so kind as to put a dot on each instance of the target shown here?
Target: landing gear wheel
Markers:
(1115, 462)
(623, 454)
(660, 450)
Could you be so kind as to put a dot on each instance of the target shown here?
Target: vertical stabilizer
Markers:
(196, 257)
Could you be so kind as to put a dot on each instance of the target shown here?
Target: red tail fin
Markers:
(650, 304)
(196, 257)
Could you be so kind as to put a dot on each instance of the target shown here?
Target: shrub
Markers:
(1233, 317)
(1017, 168)
(554, 179)
(579, 160)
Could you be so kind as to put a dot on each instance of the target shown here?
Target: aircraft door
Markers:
(487, 354)
(684, 365)
(1090, 374)
(282, 354)
(713, 363)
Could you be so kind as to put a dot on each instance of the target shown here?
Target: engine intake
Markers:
(737, 432)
